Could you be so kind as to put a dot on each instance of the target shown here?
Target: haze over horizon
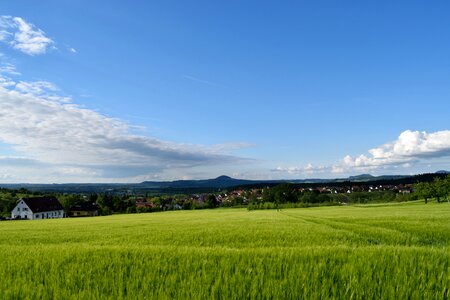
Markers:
(118, 92)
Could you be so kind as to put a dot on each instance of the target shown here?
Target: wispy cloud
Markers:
(24, 36)
(409, 149)
(9, 69)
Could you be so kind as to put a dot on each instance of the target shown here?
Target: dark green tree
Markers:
(211, 201)
(424, 190)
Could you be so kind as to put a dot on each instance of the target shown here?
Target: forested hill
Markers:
(219, 182)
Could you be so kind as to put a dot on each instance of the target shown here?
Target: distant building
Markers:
(86, 209)
(38, 208)
(405, 191)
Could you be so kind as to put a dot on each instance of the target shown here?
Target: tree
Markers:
(283, 193)
(187, 204)
(447, 188)
(212, 201)
(310, 196)
(131, 209)
(424, 190)
(440, 188)
(237, 200)
(268, 195)
(68, 200)
(106, 204)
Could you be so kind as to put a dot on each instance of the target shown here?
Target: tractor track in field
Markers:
(355, 230)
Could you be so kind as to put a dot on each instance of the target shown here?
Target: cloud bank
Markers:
(23, 36)
(410, 148)
(67, 142)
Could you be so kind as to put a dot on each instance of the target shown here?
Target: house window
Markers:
(37, 216)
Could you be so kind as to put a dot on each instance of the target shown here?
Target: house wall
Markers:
(83, 213)
(25, 212)
(22, 210)
(55, 214)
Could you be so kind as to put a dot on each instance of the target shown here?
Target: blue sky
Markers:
(117, 91)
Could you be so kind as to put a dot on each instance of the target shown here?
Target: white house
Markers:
(38, 208)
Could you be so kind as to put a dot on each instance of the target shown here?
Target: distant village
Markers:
(90, 205)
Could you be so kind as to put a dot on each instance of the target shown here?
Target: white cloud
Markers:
(410, 149)
(6, 81)
(9, 69)
(24, 36)
(4, 34)
(36, 87)
(61, 141)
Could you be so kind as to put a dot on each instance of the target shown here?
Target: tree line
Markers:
(438, 189)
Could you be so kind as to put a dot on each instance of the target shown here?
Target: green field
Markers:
(358, 252)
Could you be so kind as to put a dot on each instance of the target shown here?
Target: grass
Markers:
(354, 252)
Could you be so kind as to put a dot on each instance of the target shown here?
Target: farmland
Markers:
(371, 251)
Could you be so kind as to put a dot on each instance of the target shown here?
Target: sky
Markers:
(127, 91)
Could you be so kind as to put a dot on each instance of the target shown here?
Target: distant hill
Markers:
(442, 172)
(368, 177)
(362, 177)
(219, 183)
